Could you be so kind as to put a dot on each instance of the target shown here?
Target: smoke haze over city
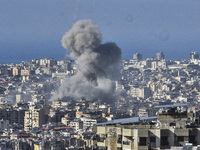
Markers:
(99, 74)
(98, 64)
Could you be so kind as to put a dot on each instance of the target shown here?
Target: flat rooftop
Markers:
(127, 120)
(171, 106)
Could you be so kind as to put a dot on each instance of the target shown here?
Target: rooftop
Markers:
(171, 106)
(127, 120)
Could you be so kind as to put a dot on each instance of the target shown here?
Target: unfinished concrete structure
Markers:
(174, 127)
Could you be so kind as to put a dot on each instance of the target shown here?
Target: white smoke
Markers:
(98, 64)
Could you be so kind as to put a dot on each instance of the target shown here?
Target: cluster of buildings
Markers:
(157, 81)
(175, 127)
(64, 124)
(159, 98)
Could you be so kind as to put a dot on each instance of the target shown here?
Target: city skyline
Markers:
(86, 74)
(159, 99)
(148, 27)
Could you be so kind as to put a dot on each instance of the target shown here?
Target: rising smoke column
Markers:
(98, 64)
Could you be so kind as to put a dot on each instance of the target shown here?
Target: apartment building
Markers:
(173, 128)
(34, 117)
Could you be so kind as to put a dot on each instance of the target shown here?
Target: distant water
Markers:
(19, 56)
(7, 59)
(16, 52)
(26, 50)
(16, 56)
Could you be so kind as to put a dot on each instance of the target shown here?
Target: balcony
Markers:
(127, 145)
(101, 139)
(119, 144)
(142, 144)
(127, 132)
(181, 132)
(102, 142)
(143, 147)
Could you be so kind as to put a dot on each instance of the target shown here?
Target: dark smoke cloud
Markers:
(98, 64)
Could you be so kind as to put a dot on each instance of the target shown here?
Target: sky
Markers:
(33, 29)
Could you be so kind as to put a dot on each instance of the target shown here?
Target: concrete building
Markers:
(76, 125)
(174, 128)
(15, 71)
(65, 120)
(137, 57)
(18, 97)
(194, 55)
(48, 70)
(88, 123)
(4, 124)
(25, 75)
(13, 116)
(160, 56)
(48, 62)
(34, 118)
(142, 92)
(25, 72)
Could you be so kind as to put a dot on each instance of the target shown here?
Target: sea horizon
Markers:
(16, 58)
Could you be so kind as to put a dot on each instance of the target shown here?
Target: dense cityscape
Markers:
(99, 75)
(157, 107)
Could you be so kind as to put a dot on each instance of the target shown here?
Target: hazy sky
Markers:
(34, 28)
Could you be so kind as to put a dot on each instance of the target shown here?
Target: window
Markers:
(126, 142)
(152, 139)
(180, 138)
(102, 148)
(172, 124)
(164, 140)
(192, 140)
(142, 141)
(119, 140)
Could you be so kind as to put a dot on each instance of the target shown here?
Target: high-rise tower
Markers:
(194, 55)
(160, 56)
(137, 56)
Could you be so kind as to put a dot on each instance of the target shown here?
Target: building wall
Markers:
(15, 71)
(112, 137)
(34, 118)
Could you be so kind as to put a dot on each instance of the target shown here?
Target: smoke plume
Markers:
(98, 64)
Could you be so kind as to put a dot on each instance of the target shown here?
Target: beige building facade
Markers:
(173, 129)
(34, 118)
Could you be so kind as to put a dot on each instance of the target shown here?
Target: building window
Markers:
(119, 140)
(180, 138)
(192, 140)
(152, 139)
(101, 138)
(142, 141)
(102, 148)
(164, 140)
(172, 124)
(126, 142)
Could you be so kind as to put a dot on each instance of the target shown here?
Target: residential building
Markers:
(175, 127)
(34, 117)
